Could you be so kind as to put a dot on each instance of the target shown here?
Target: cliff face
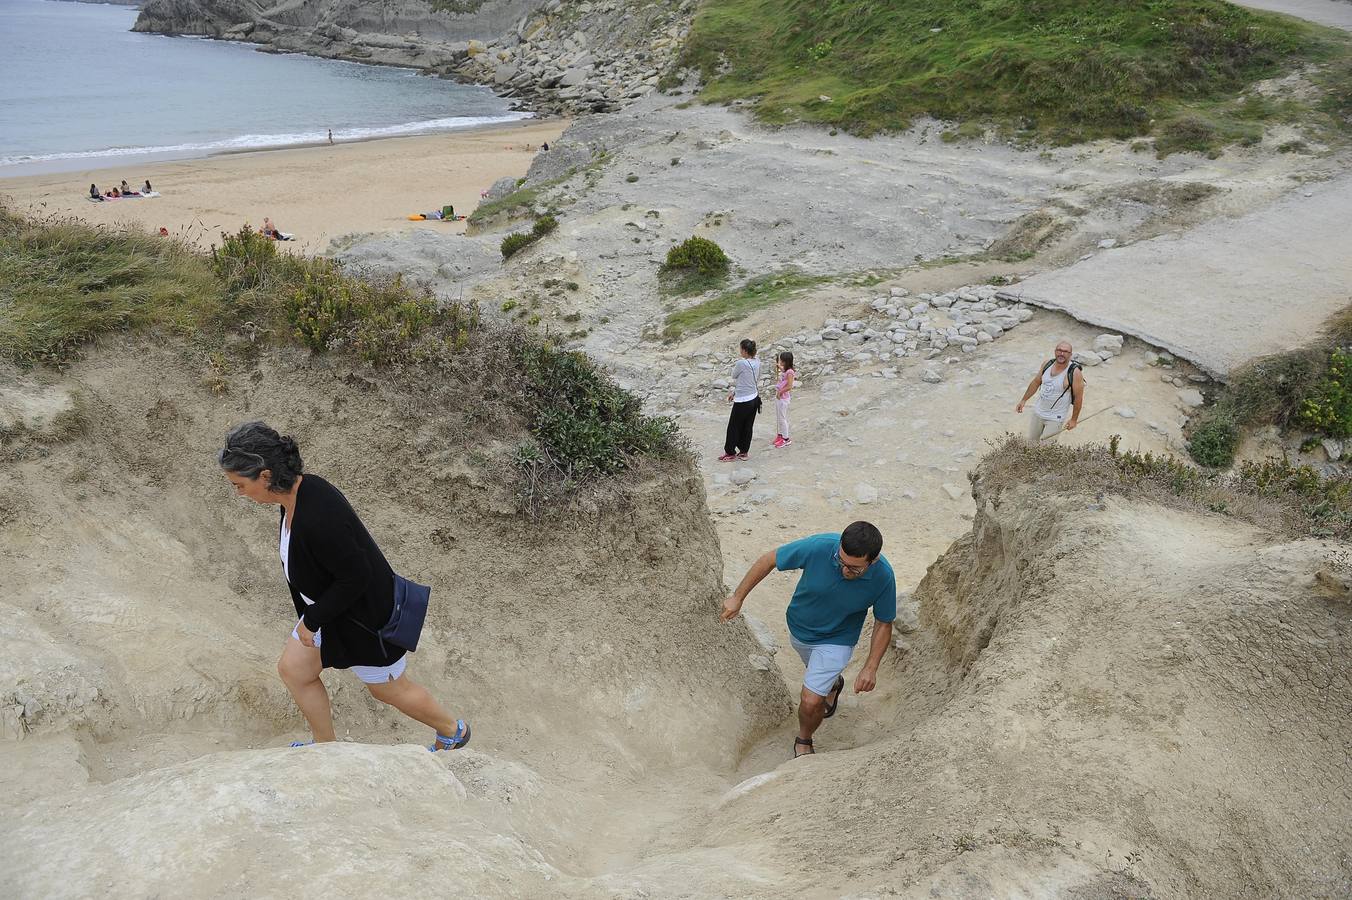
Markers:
(559, 55)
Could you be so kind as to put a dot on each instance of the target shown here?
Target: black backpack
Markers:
(1070, 377)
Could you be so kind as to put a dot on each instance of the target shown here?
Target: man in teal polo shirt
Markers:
(843, 576)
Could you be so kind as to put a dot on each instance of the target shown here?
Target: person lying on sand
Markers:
(843, 575)
(271, 230)
(341, 586)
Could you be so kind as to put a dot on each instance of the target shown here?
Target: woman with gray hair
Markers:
(341, 586)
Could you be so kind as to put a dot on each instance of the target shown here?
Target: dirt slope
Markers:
(1106, 697)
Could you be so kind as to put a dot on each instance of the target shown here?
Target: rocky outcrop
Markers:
(557, 56)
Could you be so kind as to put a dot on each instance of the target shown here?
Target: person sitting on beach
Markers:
(545, 145)
(268, 228)
(146, 187)
(94, 193)
(126, 188)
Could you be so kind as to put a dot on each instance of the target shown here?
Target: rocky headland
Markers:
(555, 56)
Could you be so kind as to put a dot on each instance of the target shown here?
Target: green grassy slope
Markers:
(1057, 70)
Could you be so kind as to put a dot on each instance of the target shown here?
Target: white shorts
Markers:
(824, 664)
(368, 674)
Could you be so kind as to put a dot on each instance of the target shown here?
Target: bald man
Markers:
(1060, 394)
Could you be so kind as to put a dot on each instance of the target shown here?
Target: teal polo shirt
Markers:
(826, 607)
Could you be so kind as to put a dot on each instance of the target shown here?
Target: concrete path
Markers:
(1332, 13)
(1230, 290)
(1224, 292)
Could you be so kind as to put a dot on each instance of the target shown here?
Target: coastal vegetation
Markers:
(758, 293)
(1058, 71)
(1273, 494)
(1309, 389)
(695, 264)
(518, 241)
(65, 283)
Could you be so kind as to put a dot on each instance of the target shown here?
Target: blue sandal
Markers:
(454, 742)
(301, 743)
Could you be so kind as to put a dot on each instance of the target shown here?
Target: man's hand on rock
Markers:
(731, 607)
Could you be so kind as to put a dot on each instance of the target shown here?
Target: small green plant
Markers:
(572, 285)
(820, 50)
(573, 317)
(697, 254)
(1327, 409)
(514, 243)
(694, 265)
(1215, 440)
(543, 226)
(675, 160)
(508, 305)
(631, 178)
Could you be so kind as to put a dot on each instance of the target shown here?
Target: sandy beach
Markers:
(315, 193)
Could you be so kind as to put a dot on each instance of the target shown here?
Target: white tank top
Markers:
(1053, 398)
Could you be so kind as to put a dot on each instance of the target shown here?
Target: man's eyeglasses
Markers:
(849, 570)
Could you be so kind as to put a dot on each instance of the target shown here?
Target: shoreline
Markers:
(317, 191)
(42, 167)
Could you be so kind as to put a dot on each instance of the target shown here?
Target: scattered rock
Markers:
(1333, 448)
(742, 476)
(953, 491)
(865, 493)
(1107, 243)
(1110, 344)
(1125, 412)
(1190, 397)
(929, 376)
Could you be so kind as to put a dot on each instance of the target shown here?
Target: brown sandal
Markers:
(838, 688)
(802, 742)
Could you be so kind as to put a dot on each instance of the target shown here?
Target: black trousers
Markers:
(740, 423)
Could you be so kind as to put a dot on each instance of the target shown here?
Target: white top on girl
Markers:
(745, 374)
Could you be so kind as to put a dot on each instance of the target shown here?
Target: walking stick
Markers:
(1082, 421)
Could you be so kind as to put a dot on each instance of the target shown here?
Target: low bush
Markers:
(585, 424)
(1215, 440)
(697, 255)
(513, 244)
(1327, 408)
(1272, 494)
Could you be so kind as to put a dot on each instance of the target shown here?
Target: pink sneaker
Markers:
(741, 456)
(727, 457)
(778, 442)
(785, 442)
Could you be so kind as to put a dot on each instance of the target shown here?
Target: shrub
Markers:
(373, 316)
(697, 255)
(586, 424)
(1215, 440)
(514, 243)
(1327, 409)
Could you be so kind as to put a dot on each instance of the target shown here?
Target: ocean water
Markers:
(79, 90)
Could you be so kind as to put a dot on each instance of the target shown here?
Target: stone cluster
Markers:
(588, 56)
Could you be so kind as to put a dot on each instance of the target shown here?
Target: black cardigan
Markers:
(333, 561)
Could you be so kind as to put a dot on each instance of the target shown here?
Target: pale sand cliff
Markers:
(315, 193)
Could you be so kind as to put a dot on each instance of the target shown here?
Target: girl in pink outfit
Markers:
(783, 387)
